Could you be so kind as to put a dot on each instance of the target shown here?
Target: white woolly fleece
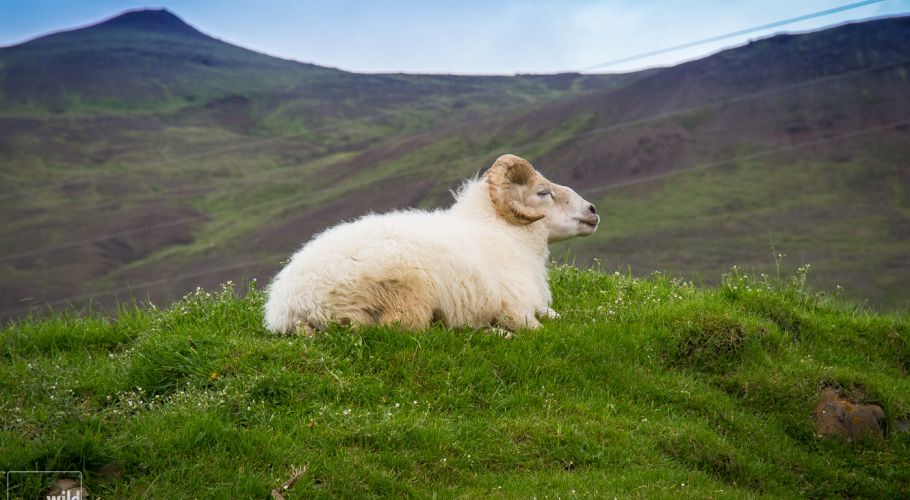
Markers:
(464, 266)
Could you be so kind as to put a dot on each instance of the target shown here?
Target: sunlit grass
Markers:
(643, 387)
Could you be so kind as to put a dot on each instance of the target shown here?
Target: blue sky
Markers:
(480, 37)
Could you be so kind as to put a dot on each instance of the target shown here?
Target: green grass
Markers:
(645, 387)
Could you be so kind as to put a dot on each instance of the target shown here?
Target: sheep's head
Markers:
(522, 196)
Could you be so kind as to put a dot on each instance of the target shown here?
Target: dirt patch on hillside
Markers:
(94, 247)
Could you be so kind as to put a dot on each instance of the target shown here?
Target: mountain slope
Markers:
(139, 58)
(152, 59)
(140, 120)
(698, 168)
(797, 141)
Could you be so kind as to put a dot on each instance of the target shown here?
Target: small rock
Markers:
(836, 417)
(902, 425)
(109, 472)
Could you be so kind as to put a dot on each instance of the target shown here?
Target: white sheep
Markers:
(480, 263)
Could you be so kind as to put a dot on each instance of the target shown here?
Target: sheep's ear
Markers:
(508, 172)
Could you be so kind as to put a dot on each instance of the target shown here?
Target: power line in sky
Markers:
(733, 34)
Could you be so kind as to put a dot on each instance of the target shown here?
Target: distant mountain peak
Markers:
(152, 20)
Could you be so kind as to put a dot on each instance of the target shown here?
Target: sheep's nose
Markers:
(592, 209)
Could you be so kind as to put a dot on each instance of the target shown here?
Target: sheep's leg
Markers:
(547, 312)
(509, 321)
(501, 332)
(531, 323)
(304, 328)
(515, 322)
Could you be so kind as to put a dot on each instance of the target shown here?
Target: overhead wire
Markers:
(725, 36)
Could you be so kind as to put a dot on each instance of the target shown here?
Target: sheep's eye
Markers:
(545, 192)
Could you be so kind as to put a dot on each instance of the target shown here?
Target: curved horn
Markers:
(507, 171)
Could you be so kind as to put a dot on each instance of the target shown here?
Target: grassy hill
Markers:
(143, 122)
(140, 157)
(644, 387)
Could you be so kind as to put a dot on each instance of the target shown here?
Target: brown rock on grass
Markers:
(836, 417)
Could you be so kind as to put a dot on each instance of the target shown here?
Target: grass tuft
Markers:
(710, 340)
